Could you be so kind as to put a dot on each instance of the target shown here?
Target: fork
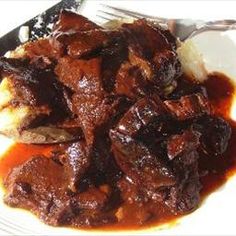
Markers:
(181, 28)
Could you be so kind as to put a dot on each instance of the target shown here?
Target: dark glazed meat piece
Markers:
(139, 164)
(72, 22)
(188, 107)
(180, 144)
(182, 150)
(91, 105)
(76, 161)
(71, 71)
(112, 58)
(90, 101)
(140, 115)
(216, 134)
(186, 86)
(92, 199)
(36, 87)
(101, 148)
(185, 195)
(151, 49)
(130, 81)
(42, 48)
(168, 68)
(40, 185)
(145, 39)
(68, 31)
(83, 44)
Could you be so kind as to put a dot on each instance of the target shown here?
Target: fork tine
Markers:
(110, 15)
(104, 18)
(133, 14)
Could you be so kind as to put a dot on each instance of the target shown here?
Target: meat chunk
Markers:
(145, 39)
(93, 111)
(188, 107)
(72, 22)
(71, 72)
(167, 67)
(140, 165)
(216, 134)
(76, 161)
(40, 185)
(153, 52)
(92, 199)
(37, 99)
(161, 72)
(89, 102)
(84, 43)
(92, 104)
(140, 115)
(42, 48)
(130, 82)
(75, 34)
(185, 195)
(37, 183)
(113, 56)
(182, 143)
(186, 86)
(40, 85)
(182, 150)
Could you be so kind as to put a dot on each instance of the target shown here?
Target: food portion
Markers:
(137, 127)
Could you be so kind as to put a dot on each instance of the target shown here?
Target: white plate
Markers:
(216, 214)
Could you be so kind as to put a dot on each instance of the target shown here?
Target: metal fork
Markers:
(181, 28)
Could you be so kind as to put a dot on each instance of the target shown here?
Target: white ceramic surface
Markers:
(216, 215)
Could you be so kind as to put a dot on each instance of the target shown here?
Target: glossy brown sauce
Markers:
(221, 92)
(19, 153)
(216, 171)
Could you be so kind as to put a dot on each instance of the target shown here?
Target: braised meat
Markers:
(41, 185)
(140, 127)
(40, 48)
(185, 195)
(76, 161)
(188, 107)
(140, 115)
(71, 71)
(82, 44)
(183, 143)
(72, 22)
(182, 149)
(35, 85)
(216, 133)
(140, 165)
(151, 49)
(130, 81)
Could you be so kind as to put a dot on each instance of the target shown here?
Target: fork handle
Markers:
(220, 25)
